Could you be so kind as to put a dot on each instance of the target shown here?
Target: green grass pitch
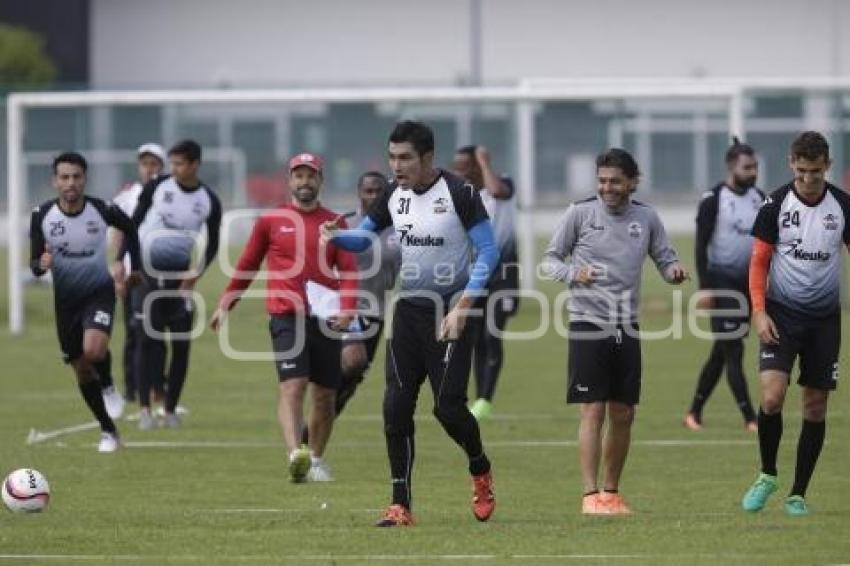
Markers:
(216, 491)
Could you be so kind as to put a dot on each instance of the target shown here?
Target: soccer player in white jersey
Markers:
(171, 214)
(723, 245)
(149, 164)
(795, 282)
(68, 237)
(440, 221)
(473, 163)
(607, 237)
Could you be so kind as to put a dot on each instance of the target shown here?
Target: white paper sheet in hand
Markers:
(324, 302)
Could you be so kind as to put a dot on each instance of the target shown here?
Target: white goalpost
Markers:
(523, 98)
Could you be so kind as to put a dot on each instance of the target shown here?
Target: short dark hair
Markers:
(620, 158)
(382, 179)
(417, 133)
(810, 145)
(737, 149)
(70, 157)
(190, 149)
(467, 150)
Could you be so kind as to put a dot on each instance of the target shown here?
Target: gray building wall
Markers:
(203, 43)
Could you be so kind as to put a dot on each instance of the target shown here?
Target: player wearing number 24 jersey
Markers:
(795, 278)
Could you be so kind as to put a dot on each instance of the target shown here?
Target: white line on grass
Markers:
(77, 557)
(272, 510)
(238, 444)
(319, 557)
(35, 436)
(200, 444)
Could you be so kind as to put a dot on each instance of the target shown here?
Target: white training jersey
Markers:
(731, 244)
(805, 269)
(79, 245)
(127, 199)
(170, 219)
(502, 213)
(432, 227)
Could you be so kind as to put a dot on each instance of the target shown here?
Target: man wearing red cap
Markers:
(305, 349)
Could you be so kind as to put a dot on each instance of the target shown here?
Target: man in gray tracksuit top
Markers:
(607, 238)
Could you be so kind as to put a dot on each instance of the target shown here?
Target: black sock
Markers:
(808, 450)
(594, 492)
(91, 392)
(479, 464)
(104, 370)
(401, 451)
(462, 427)
(770, 433)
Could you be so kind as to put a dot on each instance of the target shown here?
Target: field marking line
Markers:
(324, 557)
(35, 436)
(240, 444)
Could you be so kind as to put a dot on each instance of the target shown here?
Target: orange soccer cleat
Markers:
(590, 505)
(614, 504)
(396, 516)
(483, 500)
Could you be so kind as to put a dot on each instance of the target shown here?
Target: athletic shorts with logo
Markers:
(816, 340)
(604, 363)
(306, 347)
(94, 312)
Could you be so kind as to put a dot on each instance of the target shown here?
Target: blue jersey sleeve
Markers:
(358, 239)
(487, 257)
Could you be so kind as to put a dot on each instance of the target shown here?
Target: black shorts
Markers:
(725, 325)
(95, 312)
(414, 352)
(816, 340)
(172, 312)
(604, 367)
(306, 351)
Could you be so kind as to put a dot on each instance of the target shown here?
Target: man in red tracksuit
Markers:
(305, 351)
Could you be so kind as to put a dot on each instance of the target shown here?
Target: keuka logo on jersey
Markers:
(428, 240)
(635, 229)
(92, 227)
(793, 249)
(65, 252)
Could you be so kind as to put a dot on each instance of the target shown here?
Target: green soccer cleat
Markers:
(796, 506)
(299, 464)
(757, 495)
(481, 409)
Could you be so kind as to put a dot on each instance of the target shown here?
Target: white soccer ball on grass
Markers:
(25, 491)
